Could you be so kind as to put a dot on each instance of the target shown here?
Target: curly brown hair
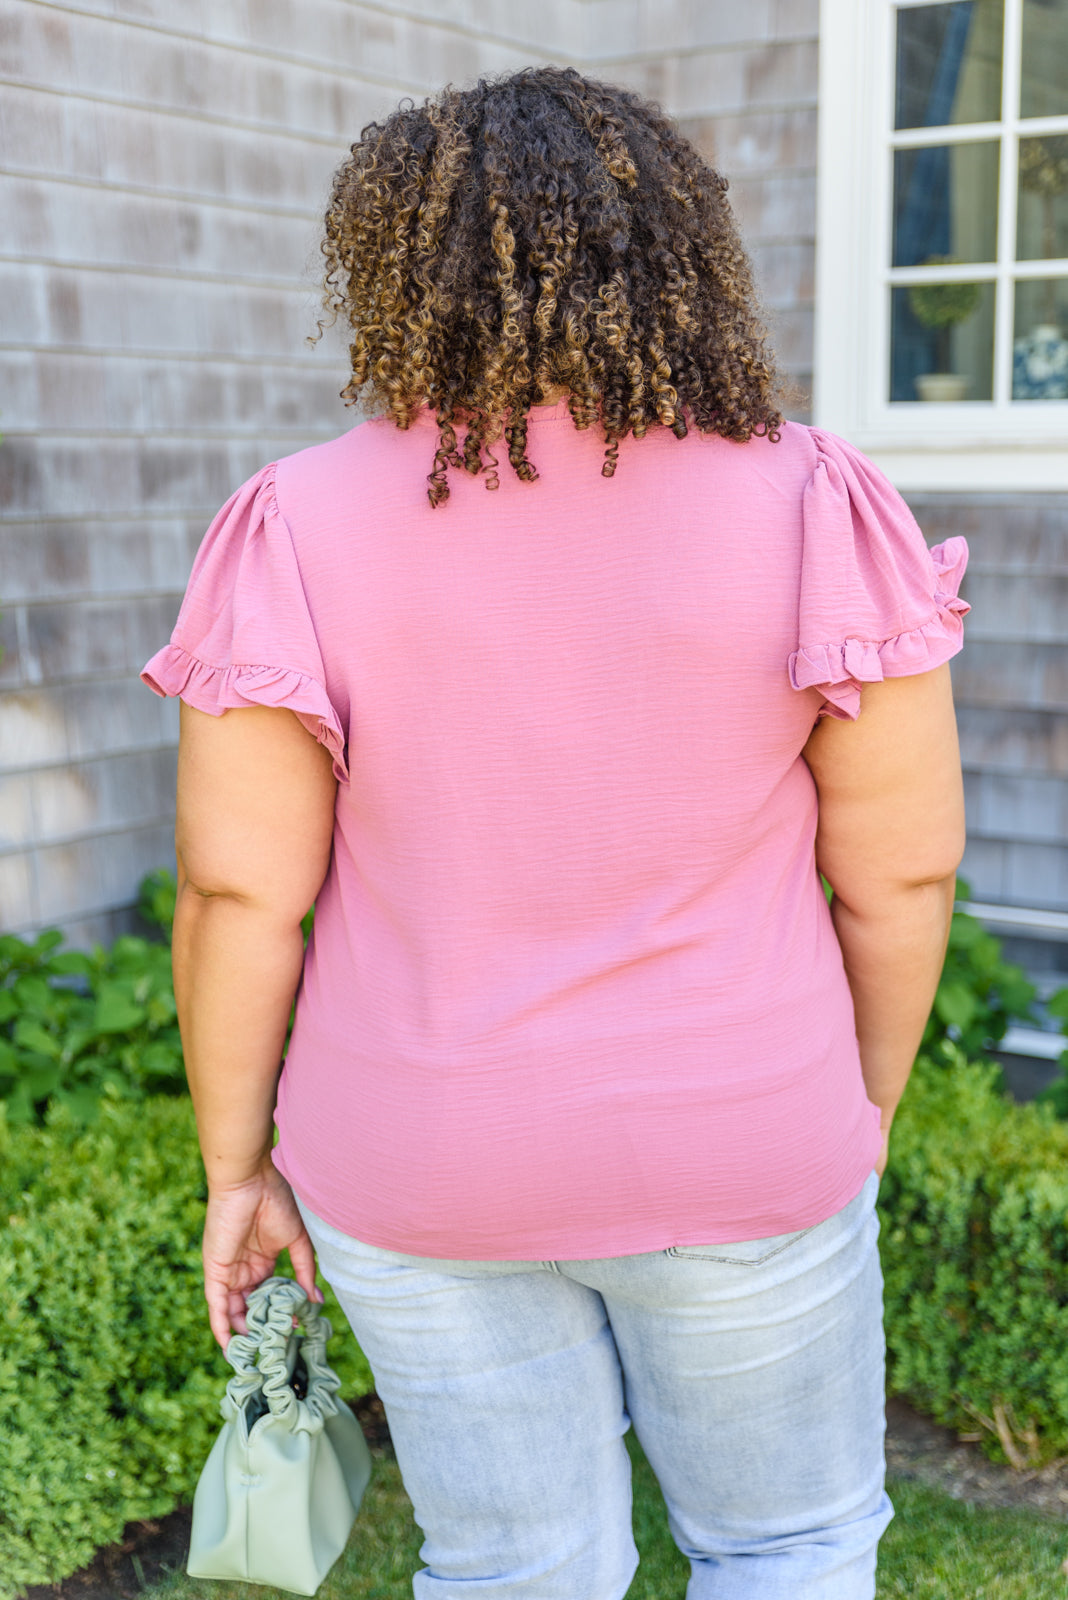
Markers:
(538, 233)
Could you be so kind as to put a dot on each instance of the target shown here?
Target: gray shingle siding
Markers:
(162, 175)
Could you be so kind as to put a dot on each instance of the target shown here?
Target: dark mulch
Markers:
(148, 1551)
(918, 1448)
(915, 1448)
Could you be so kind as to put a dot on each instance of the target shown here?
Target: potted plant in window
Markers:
(941, 306)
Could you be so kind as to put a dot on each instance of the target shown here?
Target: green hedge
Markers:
(974, 1208)
(109, 1377)
(110, 1380)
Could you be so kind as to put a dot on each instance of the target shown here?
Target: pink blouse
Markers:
(573, 988)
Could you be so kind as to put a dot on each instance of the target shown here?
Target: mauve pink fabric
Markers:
(573, 988)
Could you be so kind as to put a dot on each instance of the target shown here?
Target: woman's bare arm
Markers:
(890, 840)
(253, 838)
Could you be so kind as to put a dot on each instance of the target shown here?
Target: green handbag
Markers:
(280, 1490)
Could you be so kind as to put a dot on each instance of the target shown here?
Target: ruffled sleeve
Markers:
(875, 601)
(244, 635)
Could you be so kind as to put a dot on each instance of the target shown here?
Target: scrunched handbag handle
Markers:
(264, 1358)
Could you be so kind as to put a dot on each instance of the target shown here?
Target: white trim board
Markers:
(1033, 1042)
(1026, 920)
(976, 470)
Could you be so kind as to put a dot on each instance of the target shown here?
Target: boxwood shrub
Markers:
(974, 1211)
(110, 1380)
(109, 1377)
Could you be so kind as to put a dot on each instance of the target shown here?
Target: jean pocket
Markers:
(749, 1253)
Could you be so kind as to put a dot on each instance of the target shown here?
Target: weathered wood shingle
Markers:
(162, 175)
(1011, 687)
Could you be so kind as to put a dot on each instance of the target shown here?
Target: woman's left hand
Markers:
(246, 1227)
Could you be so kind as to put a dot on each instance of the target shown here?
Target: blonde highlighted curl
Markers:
(537, 233)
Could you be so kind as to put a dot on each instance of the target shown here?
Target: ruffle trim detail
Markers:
(838, 670)
(173, 671)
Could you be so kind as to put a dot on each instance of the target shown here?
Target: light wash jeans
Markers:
(753, 1375)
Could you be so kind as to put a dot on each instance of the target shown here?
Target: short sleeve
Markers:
(244, 635)
(875, 602)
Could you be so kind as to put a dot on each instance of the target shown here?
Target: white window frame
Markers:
(998, 444)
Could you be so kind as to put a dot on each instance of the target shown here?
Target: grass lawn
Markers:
(935, 1549)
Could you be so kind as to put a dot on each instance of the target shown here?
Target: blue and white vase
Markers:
(1040, 364)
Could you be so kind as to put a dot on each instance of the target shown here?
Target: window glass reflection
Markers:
(948, 64)
(946, 203)
(942, 342)
(1039, 347)
(1042, 204)
(1044, 63)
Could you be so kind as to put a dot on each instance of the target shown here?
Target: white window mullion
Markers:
(877, 382)
(1043, 267)
(1012, 47)
(951, 133)
(962, 272)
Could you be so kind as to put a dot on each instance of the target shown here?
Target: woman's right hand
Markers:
(247, 1226)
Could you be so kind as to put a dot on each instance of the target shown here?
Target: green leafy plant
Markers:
(979, 993)
(974, 1210)
(156, 898)
(1056, 1093)
(73, 1022)
(941, 306)
(109, 1377)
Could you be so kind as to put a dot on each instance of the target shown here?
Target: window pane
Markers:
(943, 331)
(948, 64)
(1042, 208)
(946, 203)
(1040, 349)
(1044, 82)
